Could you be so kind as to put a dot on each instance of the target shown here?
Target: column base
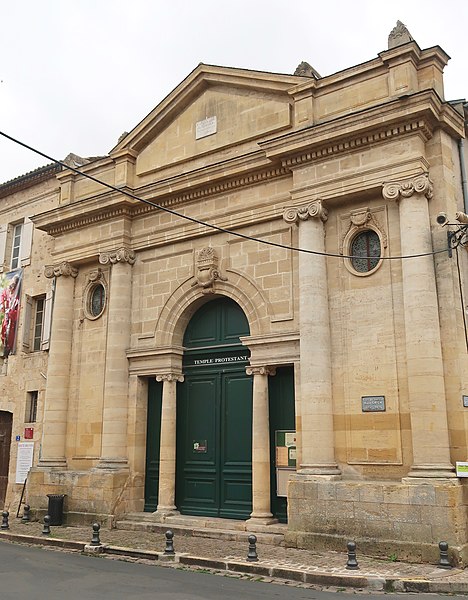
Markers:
(261, 519)
(328, 471)
(162, 512)
(112, 463)
(52, 463)
(442, 471)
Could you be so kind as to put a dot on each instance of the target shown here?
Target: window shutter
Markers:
(3, 242)
(26, 242)
(28, 311)
(49, 299)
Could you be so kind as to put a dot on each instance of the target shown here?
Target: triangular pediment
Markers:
(213, 109)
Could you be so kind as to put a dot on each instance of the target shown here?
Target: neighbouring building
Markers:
(198, 363)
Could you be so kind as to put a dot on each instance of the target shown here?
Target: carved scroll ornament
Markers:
(64, 268)
(207, 270)
(178, 377)
(120, 255)
(263, 370)
(362, 219)
(395, 190)
(315, 209)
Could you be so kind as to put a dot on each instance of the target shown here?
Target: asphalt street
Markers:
(42, 574)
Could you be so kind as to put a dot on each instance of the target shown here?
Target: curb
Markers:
(375, 583)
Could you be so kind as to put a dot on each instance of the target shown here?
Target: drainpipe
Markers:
(461, 154)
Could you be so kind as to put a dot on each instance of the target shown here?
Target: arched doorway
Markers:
(214, 415)
(6, 420)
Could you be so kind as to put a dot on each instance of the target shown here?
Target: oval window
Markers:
(97, 299)
(365, 251)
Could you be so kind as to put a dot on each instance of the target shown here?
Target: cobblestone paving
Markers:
(269, 555)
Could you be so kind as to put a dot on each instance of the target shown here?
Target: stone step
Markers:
(220, 529)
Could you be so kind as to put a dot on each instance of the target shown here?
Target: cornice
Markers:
(29, 179)
(419, 113)
(359, 141)
(74, 216)
(114, 205)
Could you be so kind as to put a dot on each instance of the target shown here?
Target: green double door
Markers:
(214, 419)
(214, 415)
(214, 444)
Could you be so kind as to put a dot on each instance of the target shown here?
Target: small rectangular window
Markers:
(38, 323)
(31, 407)
(16, 246)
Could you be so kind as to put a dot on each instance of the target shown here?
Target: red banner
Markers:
(10, 295)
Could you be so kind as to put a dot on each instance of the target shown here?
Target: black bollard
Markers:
(352, 563)
(444, 562)
(5, 515)
(96, 540)
(46, 528)
(26, 514)
(169, 550)
(252, 555)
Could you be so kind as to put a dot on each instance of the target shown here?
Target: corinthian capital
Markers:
(315, 209)
(120, 255)
(170, 377)
(395, 190)
(264, 370)
(64, 268)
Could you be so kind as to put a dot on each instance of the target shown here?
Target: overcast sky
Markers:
(75, 74)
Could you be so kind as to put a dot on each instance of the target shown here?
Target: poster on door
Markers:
(10, 295)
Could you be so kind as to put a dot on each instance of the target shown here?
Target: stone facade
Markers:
(370, 154)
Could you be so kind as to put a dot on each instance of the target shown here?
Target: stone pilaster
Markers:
(114, 426)
(167, 455)
(261, 499)
(316, 432)
(429, 429)
(58, 371)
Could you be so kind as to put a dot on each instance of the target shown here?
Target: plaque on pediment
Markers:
(206, 127)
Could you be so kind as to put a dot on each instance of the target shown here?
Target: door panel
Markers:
(6, 420)
(236, 450)
(153, 438)
(197, 439)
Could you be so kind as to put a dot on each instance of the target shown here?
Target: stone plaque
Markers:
(373, 403)
(206, 127)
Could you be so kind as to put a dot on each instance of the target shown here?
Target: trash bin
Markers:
(55, 509)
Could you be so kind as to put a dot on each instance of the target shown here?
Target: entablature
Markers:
(419, 113)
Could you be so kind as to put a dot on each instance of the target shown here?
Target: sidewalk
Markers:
(301, 566)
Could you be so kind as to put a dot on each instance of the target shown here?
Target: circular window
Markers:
(96, 300)
(365, 251)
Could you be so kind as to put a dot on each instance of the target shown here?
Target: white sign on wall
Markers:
(462, 469)
(206, 127)
(24, 460)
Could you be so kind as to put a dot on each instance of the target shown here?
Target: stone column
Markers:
(316, 432)
(58, 372)
(167, 455)
(114, 425)
(429, 429)
(261, 500)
